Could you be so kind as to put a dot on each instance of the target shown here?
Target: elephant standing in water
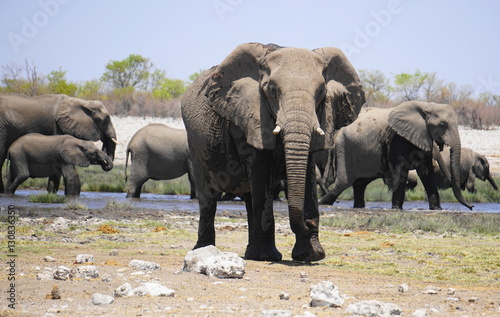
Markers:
(255, 120)
(38, 155)
(388, 143)
(472, 165)
(157, 152)
(51, 115)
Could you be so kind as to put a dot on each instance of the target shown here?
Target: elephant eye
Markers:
(273, 91)
(443, 125)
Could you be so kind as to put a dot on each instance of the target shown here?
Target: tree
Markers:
(375, 85)
(58, 83)
(409, 85)
(169, 88)
(133, 71)
(90, 89)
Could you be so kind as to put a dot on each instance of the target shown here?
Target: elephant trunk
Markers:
(455, 149)
(105, 161)
(108, 138)
(491, 180)
(300, 123)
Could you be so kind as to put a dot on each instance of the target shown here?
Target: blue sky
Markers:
(460, 40)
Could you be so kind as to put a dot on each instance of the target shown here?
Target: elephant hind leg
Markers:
(359, 188)
(332, 196)
(53, 184)
(135, 187)
(18, 173)
(206, 227)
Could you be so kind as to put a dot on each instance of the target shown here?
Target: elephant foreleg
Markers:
(261, 244)
(72, 185)
(428, 178)
(359, 187)
(53, 184)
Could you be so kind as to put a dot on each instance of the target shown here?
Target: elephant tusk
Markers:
(114, 140)
(320, 131)
(277, 130)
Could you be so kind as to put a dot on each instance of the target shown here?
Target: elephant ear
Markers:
(75, 117)
(340, 69)
(233, 92)
(408, 120)
(73, 152)
(344, 95)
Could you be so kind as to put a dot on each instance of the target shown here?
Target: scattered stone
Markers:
(59, 223)
(54, 294)
(46, 275)
(404, 288)
(473, 299)
(144, 265)
(87, 271)
(284, 296)
(107, 278)
(124, 290)
(214, 263)
(153, 289)
(101, 299)
(451, 291)
(84, 258)
(113, 252)
(276, 313)
(306, 314)
(63, 273)
(304, 277)
(374, 308)
(452, 299)
(422, 312)
(326, 294)
(49, 259)
(432, 290)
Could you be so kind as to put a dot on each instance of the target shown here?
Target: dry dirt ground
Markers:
(42, 232)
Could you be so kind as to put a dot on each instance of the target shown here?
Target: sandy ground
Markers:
(486, 142)
(195, 294)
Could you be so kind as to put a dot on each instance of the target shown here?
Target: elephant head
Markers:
(422, 124)
(88, 120)
(297, 95)
(481, 168)
(83, 153)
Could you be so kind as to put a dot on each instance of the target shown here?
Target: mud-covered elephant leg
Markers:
(72, 185)
(399, 188)
(53, 184)
(307, 247)
(261, 244)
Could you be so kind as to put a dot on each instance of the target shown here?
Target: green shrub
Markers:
(48, 198)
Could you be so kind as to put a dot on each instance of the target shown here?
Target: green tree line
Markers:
(134, 86)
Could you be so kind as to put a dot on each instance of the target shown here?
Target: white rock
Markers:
(63, 273)
(101, 299)
(276, 313)
(403, 288)
(144, 265)
(87, 271)
(49, 259)
(326, 294)
(59, 223)
(153, 289)
(373, 308)
(84, 258)
(451, 291)
(124, 290)
(422, 312)
(432, 290)
(214, 263)
(284, 296)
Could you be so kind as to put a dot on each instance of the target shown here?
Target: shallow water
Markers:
(183, 203)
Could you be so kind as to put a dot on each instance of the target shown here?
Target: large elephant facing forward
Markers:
(38, 155)
(388, 143)
(254, 120)
(50, 115)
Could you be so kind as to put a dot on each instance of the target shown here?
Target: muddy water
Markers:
(183, 203)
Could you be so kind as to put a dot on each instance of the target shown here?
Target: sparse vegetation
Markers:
(48, 198)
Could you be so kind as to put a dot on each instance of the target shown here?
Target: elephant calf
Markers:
(157, 152)
(36, 155)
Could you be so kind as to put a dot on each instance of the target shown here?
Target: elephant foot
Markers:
(202, 244)
(263, 252)
(327, 200)
(308, 249)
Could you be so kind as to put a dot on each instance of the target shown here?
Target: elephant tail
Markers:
(126, 164)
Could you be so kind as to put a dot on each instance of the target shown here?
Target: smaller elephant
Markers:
(36, 155)
(157, 152)
(472, 165)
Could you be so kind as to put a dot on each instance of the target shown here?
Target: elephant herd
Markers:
(264, 115)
